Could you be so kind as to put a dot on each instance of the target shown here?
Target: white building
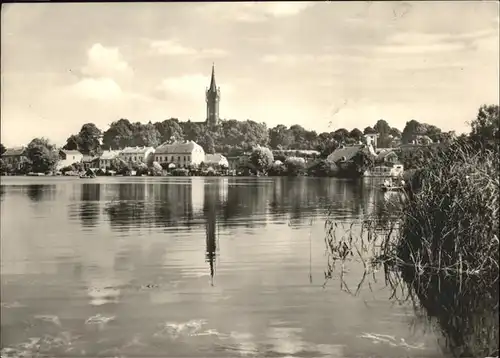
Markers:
(216, 159)
(136, 154)
(68, 157)
(182, 154)
(107, 157)
(371, 139)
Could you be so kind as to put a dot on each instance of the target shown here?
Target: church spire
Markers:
(212, 98)
(213, 87)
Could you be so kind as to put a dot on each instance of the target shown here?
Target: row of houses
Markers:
(181, 154)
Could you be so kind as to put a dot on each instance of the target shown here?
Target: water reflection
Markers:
(37, 192)
(140, 269)
(183, 205)
(210, 208)
(89, 208)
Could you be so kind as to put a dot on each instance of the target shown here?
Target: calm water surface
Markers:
(189, 267)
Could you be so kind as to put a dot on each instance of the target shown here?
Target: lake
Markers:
(190, 267)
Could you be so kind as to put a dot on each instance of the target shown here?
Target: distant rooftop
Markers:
(13, 151)
(177, 148)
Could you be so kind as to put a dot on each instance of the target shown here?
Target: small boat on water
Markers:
(89, 174)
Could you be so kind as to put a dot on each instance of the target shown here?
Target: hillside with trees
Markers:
(234, 137)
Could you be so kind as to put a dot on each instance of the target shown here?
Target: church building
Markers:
(212, 95)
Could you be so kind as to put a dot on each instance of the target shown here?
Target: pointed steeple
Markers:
(213, 87)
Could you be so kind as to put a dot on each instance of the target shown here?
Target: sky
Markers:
(322, 65)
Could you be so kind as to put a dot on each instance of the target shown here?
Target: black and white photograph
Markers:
(313, 179)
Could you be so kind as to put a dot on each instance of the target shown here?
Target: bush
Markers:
(141, 169)
(180, 172)
(69, 168)
(77, 167)
(156, 169)
(4, 167)
(322, 168)
(277, 169)
(295, 166)
(262, 158)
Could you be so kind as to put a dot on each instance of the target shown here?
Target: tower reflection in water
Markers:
(210, 209)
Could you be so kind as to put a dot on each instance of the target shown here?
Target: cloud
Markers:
(255, 11)
(175, 48)
(426, 43)
(193, 85)
(106, 62)
(97, 88)
(295, 59)
(283, 9)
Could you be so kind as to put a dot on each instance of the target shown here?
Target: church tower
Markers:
(212, 95)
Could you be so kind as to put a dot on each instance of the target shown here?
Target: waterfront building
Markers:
(68, 157)
(136, 154)
(107, 157)
(216, 159)
(180, 153)
(14, 157)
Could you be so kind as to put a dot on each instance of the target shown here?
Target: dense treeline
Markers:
(233, 137)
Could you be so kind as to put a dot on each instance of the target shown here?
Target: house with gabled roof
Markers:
(107, 158)
(14, 157)
(136, 154)
(216, 159)
(68, 157)
(180, 153)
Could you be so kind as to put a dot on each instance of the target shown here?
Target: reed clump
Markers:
(441, 246)
(448, 246)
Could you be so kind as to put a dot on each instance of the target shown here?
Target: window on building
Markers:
(189, 158)
(179, 158)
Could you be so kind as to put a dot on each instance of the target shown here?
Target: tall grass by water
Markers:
(438, 246)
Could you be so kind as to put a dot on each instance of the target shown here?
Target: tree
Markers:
(383, 129)
(369, 130)
(89, 139)
(146, 135)
(356, 134)
(485, 128)
(410, 130)
(2, 149)
(326, 144)
(340, 134)
(192, 130)
(302, 138)
(119, 135)
(280, 137)
(42, 155)
(72, 143)
(433, 132)
(207, 143)
(169, 129)
(262, 158)
(396, 133)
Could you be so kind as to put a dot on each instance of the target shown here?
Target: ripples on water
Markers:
(191, 267)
